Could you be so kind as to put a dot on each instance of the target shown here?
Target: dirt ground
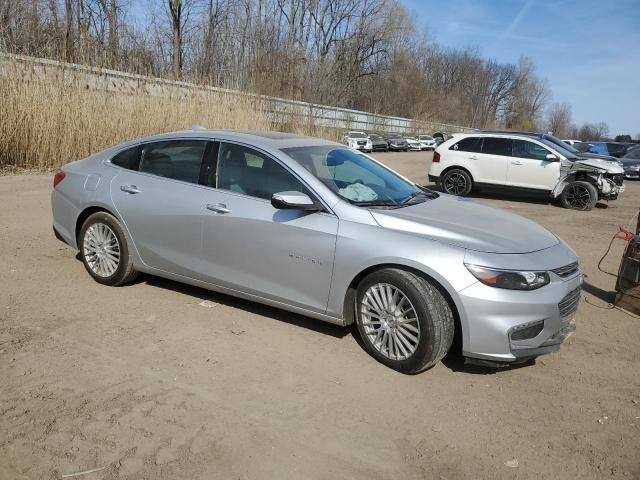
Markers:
(148, 382)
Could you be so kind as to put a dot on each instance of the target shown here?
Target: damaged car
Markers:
(524, 162)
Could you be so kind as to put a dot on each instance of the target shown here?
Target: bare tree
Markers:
(175, 11)
(559, 120)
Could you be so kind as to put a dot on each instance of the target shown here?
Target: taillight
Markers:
(58, 178)
(436, 157)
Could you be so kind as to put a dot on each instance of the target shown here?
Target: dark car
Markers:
(396, 143)
(615, 149)
(378, 144)
(582, 147)
(631, 163)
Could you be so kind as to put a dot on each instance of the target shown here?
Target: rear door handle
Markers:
(516, 162)
(218, 208)
(129, 189)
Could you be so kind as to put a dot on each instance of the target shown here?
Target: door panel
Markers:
(160, 202)
(529, 168)
(492, 164)
(164, 219)
(285, 255)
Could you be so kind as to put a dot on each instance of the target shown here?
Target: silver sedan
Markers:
(317, 228)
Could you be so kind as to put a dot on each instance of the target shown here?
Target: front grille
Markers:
(569, 304)
(362, 142)
(567, 270)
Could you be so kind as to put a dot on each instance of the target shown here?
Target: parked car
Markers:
(378, 144)
(414, 145)
(613, 149)
(562, 144)
(427, 141)
(396, 143)
(582, 147)
(524, 162)
(319, 229)
(631, 163)
(357, 140)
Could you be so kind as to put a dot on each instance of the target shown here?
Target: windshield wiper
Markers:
(375, 204)
(416, 193)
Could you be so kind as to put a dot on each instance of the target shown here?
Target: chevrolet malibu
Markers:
(319, 229)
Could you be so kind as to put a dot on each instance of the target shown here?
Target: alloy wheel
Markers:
(101, 249)
(578, 196)
(390, 321)
(455, 183)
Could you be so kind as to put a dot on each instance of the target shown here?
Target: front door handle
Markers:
(218, 208)
(473, 157)
(130, 189)
(516, 162)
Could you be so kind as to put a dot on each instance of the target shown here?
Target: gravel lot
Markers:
(159, 380)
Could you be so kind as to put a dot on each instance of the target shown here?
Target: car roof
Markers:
(264, 139)
(500, 133)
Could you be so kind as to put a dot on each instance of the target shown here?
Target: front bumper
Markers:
(632, 174)
(492, 314)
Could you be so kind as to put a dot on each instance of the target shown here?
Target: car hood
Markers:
(468, 224)
(608, 166)
(596, 155)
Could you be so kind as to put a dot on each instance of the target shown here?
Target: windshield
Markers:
(375, 137)
(559, 146)
(425, 137)
(357, 178)
(356, 135)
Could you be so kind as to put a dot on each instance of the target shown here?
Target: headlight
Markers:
(509, 279)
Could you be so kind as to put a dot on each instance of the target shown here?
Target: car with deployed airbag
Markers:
(320, 229)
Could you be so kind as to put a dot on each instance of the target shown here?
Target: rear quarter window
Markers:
(469, 144)
(129, 159)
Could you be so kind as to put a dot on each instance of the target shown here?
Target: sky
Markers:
(588, 50)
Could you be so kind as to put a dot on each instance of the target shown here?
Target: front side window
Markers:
(176, 159)
(247, 171)
(355, 177)
(469, 144)
(497, 146)
(526, 149)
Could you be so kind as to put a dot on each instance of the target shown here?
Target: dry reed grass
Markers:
(44, 125)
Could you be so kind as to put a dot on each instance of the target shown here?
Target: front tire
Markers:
(579, 195)
(456, 182)
(104, 250)
(403, 320)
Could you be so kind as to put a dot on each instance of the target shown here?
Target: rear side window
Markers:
(129, 159)
(469, 144)
(497, 146)
(526, 149)
(176, 159)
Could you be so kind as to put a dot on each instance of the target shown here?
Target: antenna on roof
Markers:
(198, 127)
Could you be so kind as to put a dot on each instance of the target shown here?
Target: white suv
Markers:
(523, 162)
(358, 140)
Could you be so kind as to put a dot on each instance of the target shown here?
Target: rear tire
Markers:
(403, 320)
(456, 182)
(579, 195)
(104, 250)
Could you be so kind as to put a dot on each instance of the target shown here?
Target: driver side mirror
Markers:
(294, 201)
(551, 157)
